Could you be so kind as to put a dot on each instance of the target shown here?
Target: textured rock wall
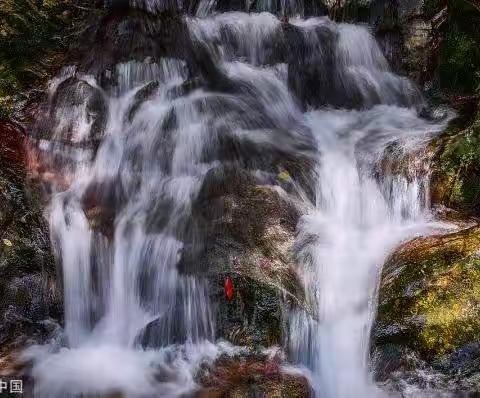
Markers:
(30, 294)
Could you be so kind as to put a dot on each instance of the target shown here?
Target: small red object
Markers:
(228, 285)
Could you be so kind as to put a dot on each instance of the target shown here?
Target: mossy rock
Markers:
(429, 299)
(456, 168)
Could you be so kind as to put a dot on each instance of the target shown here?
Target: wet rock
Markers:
(75, 98)
(402, 28)
(250, 376)
(184, 89)
(248, 235)
(101, 201)
(311, 70)
(141, 96)
(280, 154)
(429, 304)
(456, 169)
(29, 290)
(131, 34)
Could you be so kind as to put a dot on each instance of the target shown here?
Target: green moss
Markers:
(451, 307)
(462, 150)
(456, 179)
(430, 295)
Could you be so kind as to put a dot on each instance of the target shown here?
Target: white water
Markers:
(355, 223)
(147, 172)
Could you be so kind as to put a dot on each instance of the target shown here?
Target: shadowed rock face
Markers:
(248, 233)
(30, 293)
(429, 307)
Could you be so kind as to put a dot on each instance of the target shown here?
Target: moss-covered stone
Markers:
(429, 298)
(456, 168)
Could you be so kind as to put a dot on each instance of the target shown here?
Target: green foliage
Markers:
(465, 16)
(459, 37)
(460, 62)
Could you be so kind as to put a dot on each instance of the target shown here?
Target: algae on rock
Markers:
(456, 168)
(429, 301)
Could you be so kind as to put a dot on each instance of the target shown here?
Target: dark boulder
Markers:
(245, 232)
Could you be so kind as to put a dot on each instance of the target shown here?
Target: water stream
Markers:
(133, 323)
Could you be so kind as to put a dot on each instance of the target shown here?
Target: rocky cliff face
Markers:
(30, 291)
(33, 41)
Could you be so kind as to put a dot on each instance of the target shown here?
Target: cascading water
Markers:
(356, 222)
(117, 282)
(120, 211)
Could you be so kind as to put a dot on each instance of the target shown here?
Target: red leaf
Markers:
(228, 285)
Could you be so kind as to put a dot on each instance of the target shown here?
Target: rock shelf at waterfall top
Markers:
(221, 198)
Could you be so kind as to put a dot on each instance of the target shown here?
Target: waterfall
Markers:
(357, 218)
(132, 147)
(356, 222)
